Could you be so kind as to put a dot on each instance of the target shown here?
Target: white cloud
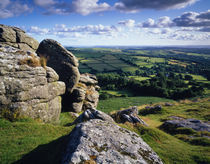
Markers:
(163, 22)
(127, 23)
(12, 8)
(38, 30)
(85, 7)
(193, 19)
(63, 30)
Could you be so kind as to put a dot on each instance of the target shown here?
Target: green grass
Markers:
(186, 109)
(118, 93)
(114, 104)
(139, 78)
(33, 142)
(169, 148)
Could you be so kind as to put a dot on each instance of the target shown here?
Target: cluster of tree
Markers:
(162, 85)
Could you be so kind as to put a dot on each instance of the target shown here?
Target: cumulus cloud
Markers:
(160, 31)
(162, 22)
(63, 30)
(137, 5)
(204, 15)
(12, 8)
(188, 36)
(127, 23)
(83, 7)
(89, 29)
(38, 30)
(192, 19)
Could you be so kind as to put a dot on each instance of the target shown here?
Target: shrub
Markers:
(43, 61)
(34, 61)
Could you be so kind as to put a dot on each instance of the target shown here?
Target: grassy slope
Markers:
(36, 142)
(168, 147)
(114, 104)
(43, 143)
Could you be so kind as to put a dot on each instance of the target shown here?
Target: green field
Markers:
(114, 104)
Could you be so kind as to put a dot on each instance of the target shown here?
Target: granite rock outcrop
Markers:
(81, 90)
(85, 94)
(15, 37)
(27, 88)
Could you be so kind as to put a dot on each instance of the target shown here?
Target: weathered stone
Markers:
(88, 79)
(171, 125)
(104, 142)
(92, 114)
(85, 95)
(62, 61)
(77, 106)
(52, 76)
(17, 38)
(28, 91)
(128, 115)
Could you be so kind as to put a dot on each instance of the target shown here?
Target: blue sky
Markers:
(111, 22)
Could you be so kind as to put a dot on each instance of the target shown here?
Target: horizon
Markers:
(112, 23)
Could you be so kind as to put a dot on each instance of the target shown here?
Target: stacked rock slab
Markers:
(62, 61)
(26, 90)
(17, 38)
(81, 90)
(98, 141)
(85, 95)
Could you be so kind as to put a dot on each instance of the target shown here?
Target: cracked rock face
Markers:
(85, 94)
(100, 142)
(17, 38)
(62, 61)
(28, 91)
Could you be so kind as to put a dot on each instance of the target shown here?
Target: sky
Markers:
(111, 22)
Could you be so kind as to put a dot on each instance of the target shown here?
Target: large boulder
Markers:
(98, 141)
(178, 122)
(62, 61)
(128, 115)
(17, 38)
(28, 87)
(90, 114)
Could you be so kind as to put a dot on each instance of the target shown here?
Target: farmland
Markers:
(145, 64)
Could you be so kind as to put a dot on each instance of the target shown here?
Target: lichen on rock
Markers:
(15, 37)
(26, 90)
(107, 143)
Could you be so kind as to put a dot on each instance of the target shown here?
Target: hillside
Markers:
(50, 113)
(35, 142)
